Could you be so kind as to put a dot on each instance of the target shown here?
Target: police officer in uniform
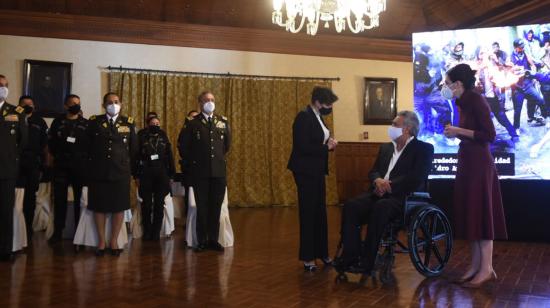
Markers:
(68, 144)
(13, 134)
(156, 169)
(205, 141)
(112, 153)
(33, 160)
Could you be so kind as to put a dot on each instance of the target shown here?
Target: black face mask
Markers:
(74, 109)
(325, 111)
(28, 109)
(154, 129)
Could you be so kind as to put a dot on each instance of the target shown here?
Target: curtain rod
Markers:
(143, 70)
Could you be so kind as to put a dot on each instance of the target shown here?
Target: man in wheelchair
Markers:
(401, 168)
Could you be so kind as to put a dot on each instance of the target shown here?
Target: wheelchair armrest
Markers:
(420, 194)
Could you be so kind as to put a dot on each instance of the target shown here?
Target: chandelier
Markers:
(350, 13)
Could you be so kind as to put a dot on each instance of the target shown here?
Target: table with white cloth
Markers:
(19, 225)
(167, 221)
(225, 236)
(44, 207)
(178, 195)
(86, 232)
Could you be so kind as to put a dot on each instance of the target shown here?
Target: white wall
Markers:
(89, 83)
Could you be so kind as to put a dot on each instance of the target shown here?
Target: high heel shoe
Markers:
(327, 261)
(310, 267)
(470, 285)
(462, 280)
(100, 252)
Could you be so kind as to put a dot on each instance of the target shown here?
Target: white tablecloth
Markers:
(44, 207)
(19, 226)
(86, 233)
(178, 194)
(225, 237)
(168, 225)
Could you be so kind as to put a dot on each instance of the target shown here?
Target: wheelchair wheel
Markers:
(430, 241)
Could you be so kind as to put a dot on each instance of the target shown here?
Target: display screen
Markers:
(513, 74)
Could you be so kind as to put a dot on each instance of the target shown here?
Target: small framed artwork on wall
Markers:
(380, 101)
(48, 83)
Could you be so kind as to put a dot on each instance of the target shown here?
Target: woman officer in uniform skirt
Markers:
(113, 149)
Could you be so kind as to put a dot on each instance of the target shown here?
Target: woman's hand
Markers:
(332, 143)
(451, 131)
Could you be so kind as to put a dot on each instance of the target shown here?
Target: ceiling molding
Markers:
(80, 27)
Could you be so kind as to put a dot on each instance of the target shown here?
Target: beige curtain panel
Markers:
(260, 111)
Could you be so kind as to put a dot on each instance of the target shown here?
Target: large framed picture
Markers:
(380, 105)
(48, 83)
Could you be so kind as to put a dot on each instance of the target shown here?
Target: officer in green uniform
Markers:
(112, 161)
(13, 136)
(205, 140)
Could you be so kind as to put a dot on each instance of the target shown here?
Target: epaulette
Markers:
(130, 120)
(19, 109)
(190, 118)
(92, 117)
(224, 118)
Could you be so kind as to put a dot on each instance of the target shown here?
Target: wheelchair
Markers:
(429, 241)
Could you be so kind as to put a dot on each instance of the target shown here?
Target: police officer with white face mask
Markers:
(113, 151)
(204, 142)
(13, 136)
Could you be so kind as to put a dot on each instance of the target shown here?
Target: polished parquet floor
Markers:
(260, 271)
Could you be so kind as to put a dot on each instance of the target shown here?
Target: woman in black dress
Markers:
(113, 149)
(308, 162)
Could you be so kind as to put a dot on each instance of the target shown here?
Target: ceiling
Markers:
(401, 19)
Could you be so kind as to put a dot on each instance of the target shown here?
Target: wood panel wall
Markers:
(80, 27)
(353, 163)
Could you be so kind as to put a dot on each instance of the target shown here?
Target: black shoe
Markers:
(56, 238)
(310, 268)
(199, 248)
(100, 252)
(116, 252)
(9, 257)
(327, 261)
(215, 246)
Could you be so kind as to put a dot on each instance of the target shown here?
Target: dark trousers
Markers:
(63, 177)
(534, 98)
(154, 185)
(313, 216)
(497, 108)
(7, 202)
(377, 213)
(29, 179)
(209, 194)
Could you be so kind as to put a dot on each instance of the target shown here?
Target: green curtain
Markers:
(260, 111)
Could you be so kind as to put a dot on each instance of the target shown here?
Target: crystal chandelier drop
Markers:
(343, 12)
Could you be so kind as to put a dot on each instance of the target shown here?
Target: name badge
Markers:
(154, 157)
(124, 129)
(71, 139)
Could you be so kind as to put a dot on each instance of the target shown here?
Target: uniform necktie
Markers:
(210, 121)
(112, 125)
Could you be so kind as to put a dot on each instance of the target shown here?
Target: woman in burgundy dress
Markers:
(477, 211)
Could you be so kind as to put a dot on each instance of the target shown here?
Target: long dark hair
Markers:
(463, 73)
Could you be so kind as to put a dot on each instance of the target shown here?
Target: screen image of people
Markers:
(512, 67)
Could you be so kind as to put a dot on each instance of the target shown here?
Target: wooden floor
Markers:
(260, 271)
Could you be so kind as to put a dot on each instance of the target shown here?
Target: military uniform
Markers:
(155, 168)
(204, 144)
(32, 162)
(112, 153)
(68, 144)
(13, 135)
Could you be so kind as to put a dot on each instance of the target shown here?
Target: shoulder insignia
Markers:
(92, 117)
(19, 109)
(190, 118)
(224, 118)
(130, 120)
